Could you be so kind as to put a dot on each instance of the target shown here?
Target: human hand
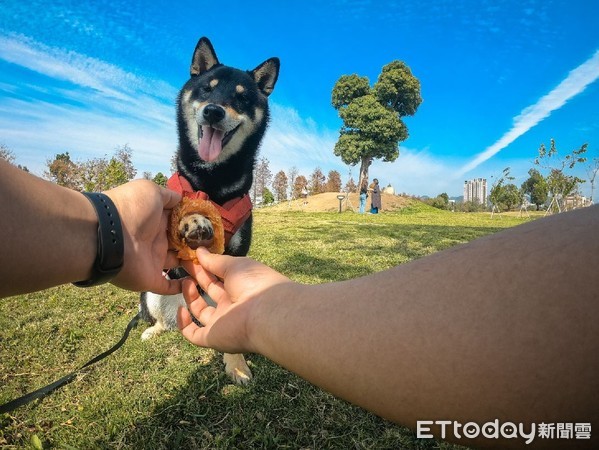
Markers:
(237, 285)
(144, 208)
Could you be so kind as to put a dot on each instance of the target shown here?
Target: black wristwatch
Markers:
(111, 246)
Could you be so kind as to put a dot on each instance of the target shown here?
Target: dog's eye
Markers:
(242, 97)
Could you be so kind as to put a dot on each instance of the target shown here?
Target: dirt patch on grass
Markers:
(328, 202)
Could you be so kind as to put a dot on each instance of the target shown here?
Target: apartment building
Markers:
(476, 191)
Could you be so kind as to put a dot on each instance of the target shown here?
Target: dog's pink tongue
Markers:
(210, 144)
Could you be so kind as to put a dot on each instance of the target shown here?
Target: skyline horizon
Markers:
(498, 80)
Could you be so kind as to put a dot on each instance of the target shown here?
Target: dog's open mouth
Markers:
(212, 141)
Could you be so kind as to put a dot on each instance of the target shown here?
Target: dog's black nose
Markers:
(213, 113)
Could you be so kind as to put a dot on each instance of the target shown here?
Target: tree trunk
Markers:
(366, 162)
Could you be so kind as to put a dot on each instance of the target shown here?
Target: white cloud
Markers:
(101, 107)
(109, 80)
(294, 141)
(576, 82)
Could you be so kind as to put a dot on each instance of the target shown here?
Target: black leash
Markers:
(70, 377)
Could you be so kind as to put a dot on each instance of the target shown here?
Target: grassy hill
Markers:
(328, 202)
(166, 393)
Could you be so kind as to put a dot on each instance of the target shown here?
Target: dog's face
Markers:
(222, 107)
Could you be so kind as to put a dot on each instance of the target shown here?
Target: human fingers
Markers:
(171, 260)
(164, 286)
(183, 318)
(213, 263)
(207, 281)
(189, 329)
(194, 300)
(169, 198)
(189, 291)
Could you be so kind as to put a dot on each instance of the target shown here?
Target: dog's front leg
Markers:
(237, 368)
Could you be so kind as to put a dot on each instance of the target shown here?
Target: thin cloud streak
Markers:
(81, 70)
(576, 82)
(102, 107)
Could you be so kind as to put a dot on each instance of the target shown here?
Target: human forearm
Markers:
(502, 328)
(49, 237)
(488, 330)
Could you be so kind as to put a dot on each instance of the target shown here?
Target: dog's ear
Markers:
(266, 75)
(204, 57)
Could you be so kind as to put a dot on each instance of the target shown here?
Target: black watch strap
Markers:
(111, 246)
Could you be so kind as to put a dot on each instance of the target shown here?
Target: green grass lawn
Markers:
(166, 393)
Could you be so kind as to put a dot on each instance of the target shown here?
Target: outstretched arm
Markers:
(503, 327)
(49, 234)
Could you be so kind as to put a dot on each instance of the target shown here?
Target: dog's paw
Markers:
(237, 369)
(196, 231)
(152, 331)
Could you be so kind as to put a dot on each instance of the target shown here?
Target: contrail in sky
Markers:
(576, 82)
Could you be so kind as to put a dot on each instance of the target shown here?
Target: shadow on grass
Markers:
(276, 410)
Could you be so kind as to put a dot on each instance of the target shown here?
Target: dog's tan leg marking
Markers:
(237, 368)
(152, 331)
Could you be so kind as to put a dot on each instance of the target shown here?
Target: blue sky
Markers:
(498, 79)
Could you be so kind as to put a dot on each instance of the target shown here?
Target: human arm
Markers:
(49, 234)
(503, 327)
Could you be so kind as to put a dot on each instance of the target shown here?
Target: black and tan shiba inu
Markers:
(222, 114)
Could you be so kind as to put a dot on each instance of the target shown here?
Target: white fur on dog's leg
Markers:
(237, 368)
(152, 331)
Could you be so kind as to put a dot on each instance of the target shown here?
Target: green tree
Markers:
(64, 172)
(559, 182)
(92, 174)
(160, 179)
(441, 201)
(267, 196)
(347, 88)
(470, 206)
(536, 187)
(100, 174)
(510, 197)
(115, 174)
(372, 116)
(496, 195)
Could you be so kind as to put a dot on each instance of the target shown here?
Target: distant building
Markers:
(576, 201)
(476, 191)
